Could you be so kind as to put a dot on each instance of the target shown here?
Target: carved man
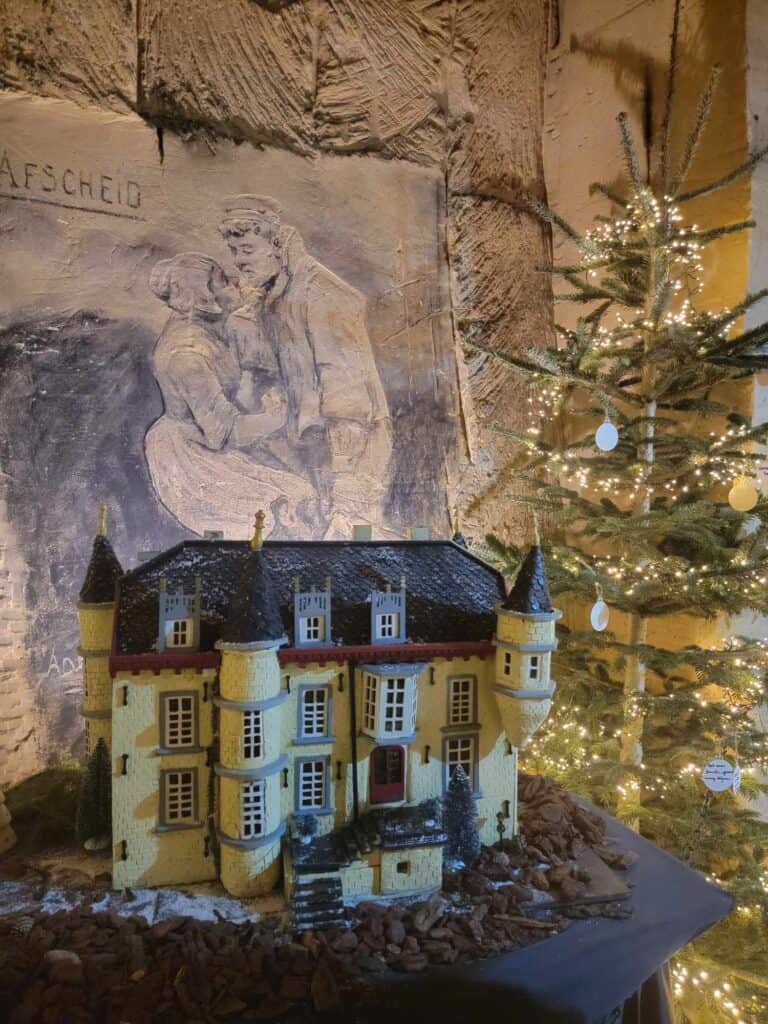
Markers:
(304, 327)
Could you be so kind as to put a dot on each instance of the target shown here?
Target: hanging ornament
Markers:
(599, 614)
(736, 782)
(606, 436)
(718, 775)
(743, 495)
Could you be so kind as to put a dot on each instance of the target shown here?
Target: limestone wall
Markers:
(395, 132)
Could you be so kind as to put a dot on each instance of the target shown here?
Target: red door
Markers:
(387, 775)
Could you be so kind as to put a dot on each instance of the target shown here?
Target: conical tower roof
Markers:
(104, 569)
(530, 594)
(255, 611)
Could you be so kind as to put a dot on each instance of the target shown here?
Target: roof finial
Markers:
(101, 522)
(536, 534)
(258, 531)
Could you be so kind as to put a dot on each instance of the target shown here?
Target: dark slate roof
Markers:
(530, 594)
(104, 571)
(255, 612)
(451, 593)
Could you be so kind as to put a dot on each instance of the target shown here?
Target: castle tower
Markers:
(251, 822)
(96, 610)
(525, 639)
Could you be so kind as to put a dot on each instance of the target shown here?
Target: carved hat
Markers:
(165, 272)
(247, 207)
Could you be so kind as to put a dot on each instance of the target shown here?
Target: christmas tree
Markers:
(460, 820)
(94, 809)
(640, 457)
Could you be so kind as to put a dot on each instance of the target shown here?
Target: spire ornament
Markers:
(257, 540)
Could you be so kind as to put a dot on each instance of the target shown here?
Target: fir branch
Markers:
(734, 175)
(598, 188)
(630, 153)
(702, 116)
(670, 93)
(726, 229)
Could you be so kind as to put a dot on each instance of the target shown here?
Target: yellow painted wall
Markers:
(156, 858)
(424, 869)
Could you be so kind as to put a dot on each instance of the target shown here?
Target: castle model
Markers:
(250, 692)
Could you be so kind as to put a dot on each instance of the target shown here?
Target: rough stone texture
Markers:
(452, 85)
(7, 835)
(83, 51)
(21, 732)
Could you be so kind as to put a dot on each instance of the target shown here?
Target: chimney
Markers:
(418, 533)
(360, 533)
(213, 535)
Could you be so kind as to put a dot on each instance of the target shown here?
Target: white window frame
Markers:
(179, 796)
(461, 750)
(461, 700)
(507, 663)
(176, 628)
(314, 712)
(387, 625)
(253, 733)
(253, 811)
(312, 784)
(390, 706)
(312, 629)
(534, 668)
(180, 721)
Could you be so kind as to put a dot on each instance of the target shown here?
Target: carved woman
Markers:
(204, 452)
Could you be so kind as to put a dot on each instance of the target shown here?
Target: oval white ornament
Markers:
(606, 437)
(742, 497)
(718, 775)
(599, 616)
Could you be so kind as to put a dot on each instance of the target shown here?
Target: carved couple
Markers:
(272, 396)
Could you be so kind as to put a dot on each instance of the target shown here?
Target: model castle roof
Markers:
(530, 594)
(451, 592)
(104, 570)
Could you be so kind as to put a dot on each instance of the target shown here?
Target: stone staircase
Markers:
(317, 902)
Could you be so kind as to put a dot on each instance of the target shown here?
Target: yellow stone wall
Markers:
(425, 869)
(178, 856)
(96, 622)
(156, 858)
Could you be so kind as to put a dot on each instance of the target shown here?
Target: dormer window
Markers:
(388, 615)
(179, 632)
(311, 629)
(312, 615)
(178, 618)
(387, 626)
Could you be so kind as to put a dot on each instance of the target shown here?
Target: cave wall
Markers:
(392, 130)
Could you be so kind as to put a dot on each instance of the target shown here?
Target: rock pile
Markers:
(75, 966)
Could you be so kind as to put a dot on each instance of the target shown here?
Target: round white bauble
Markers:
(599, 616)
(606, 437)
(718, 775)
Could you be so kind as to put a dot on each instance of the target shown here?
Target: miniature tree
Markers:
(460, 820)
(94, 809)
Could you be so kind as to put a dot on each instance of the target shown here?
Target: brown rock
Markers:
(395, 932)
(271, 1006)
(539, 880)
(345, 942)
(572, 888)
(61, 956)
(161, 929)
(229, 1005)
(475, 883)
(294, 987)
(66, 972)
(325, 989)
(429, 913)
(412, 962)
